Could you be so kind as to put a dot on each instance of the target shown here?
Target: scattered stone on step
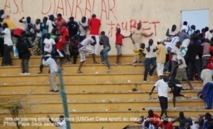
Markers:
(107, 82)
(112, 100)
(129, 81)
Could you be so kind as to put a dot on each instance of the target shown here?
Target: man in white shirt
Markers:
(51, 23)
(83, 50)
(185, 26)
(175, 50)
(7, 60)
(181, 70)
(83, 25)
(61, 123)
(169, 45)
(162, 86)
(208, 35)
(27, 23)
(150, 58)
(48, 44)
(48, 49)
(48, 60)
(171, 32)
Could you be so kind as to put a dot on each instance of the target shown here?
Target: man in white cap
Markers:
(48, 60)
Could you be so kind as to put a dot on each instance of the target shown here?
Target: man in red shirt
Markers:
(60, 44)
(119, 44)
(165, 124)
(94, 25)
(153, 118)
(60, 21)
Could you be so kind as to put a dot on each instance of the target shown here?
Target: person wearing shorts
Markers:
(94, 25)
(181, 70)
(82, 48)
(162, 86)
(176, 88)
(119, 44)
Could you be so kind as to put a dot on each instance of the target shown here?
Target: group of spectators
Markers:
(153, 121)
(191, 44)
(186, 53)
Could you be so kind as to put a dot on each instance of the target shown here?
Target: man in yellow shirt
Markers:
(9, 22)
(161, 58)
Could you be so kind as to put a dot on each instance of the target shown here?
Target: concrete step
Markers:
(46, 97)
(172, 113)
(88, 87)
(36, 60)
(76, 78)
(109, 106)
(94, 68)
(47, 105)
(73, 78)
(103, 119)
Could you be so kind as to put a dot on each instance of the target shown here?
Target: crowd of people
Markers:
(187, 56)
(153, 121)
(186, 53)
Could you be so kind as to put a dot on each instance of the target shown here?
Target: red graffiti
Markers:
(155, 26)
(111, 9)
(132, 24)
(60, 6)
(43, 7)
(106, 9)
(89, 8)
(13, 6)
(75, 8)
(103, 9)
(111, 24)
(78, 8)
(124, 26)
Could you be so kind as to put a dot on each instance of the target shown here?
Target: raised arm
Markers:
(21, 20)
(146, 35)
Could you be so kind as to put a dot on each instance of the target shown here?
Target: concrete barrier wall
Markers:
(156, 15)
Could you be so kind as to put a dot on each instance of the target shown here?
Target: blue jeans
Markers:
(147, 63)
(104, 56)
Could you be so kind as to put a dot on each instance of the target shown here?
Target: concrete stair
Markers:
(96, 99)
(36, 60)
(90, 68)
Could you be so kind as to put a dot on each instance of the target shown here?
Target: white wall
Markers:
(125, 13)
